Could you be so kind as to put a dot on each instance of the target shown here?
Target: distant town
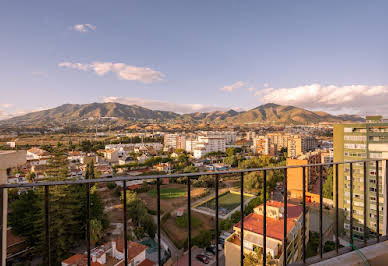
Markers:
(55, 156)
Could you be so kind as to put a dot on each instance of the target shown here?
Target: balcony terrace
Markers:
(374, 251)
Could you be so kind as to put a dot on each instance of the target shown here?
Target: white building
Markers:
(206, 145)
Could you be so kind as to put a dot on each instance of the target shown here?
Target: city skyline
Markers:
(181, 57)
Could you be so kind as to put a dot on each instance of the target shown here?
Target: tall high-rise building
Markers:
(358, 142)
(298, 145)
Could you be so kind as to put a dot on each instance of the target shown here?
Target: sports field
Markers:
(168, 193)
(227, 201)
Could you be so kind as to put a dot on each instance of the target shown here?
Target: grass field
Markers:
(168, 193)
(228, 201)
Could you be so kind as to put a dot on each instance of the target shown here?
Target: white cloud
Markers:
(234, 86)
(6, 105)
(122, 71)
(361, 99)
(40, 74)
(84, 27)
(4, 115)
(165, 106)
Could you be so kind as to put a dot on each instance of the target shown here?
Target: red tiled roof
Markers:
(134, 248)
(135, 186)
(147, 262)
(79, 260)
(275, 227)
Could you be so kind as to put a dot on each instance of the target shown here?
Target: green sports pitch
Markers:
(168, 193)
(227, 201)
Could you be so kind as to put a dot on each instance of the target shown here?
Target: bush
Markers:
(111, 185)
(165, 217)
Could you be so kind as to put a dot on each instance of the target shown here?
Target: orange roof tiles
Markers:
(147, 262)
(275, 227)
(134, 248)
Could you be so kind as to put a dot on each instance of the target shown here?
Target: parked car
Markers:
(202, 258)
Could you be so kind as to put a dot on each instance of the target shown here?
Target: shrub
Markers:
(111, 185)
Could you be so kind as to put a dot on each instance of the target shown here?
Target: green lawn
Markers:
(229, 201)
(168, 193)
(182, 221)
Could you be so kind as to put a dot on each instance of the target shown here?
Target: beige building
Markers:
(298, 145)
(253, 234)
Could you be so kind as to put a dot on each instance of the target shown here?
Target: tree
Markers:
(328, 186)
(256, 257)
(31, 177)
(231, 160)
(96, 230)
(24, 212)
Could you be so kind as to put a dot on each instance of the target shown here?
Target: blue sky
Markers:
(194, 55)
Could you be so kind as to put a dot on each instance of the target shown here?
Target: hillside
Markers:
(77, 112)
(268, 113)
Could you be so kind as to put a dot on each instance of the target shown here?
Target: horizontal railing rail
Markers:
(134, 178)
(217, 175)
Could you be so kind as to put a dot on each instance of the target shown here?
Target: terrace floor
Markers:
(376, 254)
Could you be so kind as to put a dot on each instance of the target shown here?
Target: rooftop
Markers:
(254, 221)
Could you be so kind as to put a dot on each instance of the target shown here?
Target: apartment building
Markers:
(208, 144)
(229, 136)
(297, 145)
(279, 139)
(295, 175)
(253, 234)
(174, 141)
(358, 142)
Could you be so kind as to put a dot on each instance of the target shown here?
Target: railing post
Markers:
(189, 217)
(285, 219)
(47, 223)
(336, 210)
(304, 215)
(265, 218)
(88, 221)
(158, 221)
(125, 222)
(320, 212)
(242, 219)
(386, 197)
(365, 203)
(351, 205)
(2, 226)
(217, 258)
(377, 203)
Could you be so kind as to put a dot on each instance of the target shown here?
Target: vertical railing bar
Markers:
(217, 258)
(377, 202)
(285, 218)
(189, 217)
(265, 218)
(386, 197)
(2, 190)
(351, 204)
(125, 221)
(336, 211)
(320, 212)
(158, 221)
(365, 203)
(242, 219)
(47, 223)
(304, 215)
(88, 221)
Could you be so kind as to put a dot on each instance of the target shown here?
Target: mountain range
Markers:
(268, 113)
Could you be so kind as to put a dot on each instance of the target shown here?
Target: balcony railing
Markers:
(190, 176)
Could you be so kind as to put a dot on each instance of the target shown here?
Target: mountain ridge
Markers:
(267, 113)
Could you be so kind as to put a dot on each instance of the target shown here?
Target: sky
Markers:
(188, 56)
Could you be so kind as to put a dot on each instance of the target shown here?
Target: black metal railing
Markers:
(264, 171)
